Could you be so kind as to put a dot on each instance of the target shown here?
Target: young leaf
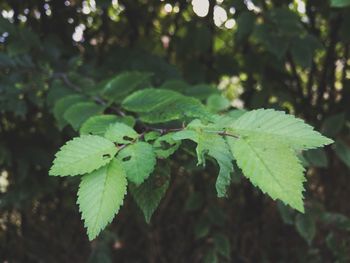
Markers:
(138, 160)
(287, 214)
(149, 194)
(272, 166)
(121, 133)
(62, 105)
(123, 84)
(217, 103)
(165, 146)
(286, 128)
(97, 125)
(306, 227)
(100, 195)
(157, 106)
(222, 245)
(151, 136)
(82, 155)
(77, 114)
(211, 256)
(340, 3)
(303, 49)
(208, 141)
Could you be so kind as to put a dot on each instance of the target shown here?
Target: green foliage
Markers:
(123, 84)
(287, 214)
(100, 195)
(138, 160)
(149, 194)
(305, 226)
(262, 142)
(303, 50)
(152, 92)
(217, 103)
(62, 105)
(317, 158)
(333, 124)
(279, 126)
(208, 141)
(82, 155)
(165, 145)
(157, 106)
(340, 3)
(97, 125)
(120, 133)
(272, 166)
(222, 245)
(77, 114)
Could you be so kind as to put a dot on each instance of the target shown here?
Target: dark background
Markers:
(287, 55)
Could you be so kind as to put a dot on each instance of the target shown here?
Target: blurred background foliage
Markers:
(291, 55)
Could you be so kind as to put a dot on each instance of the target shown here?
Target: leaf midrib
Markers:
(102, 197)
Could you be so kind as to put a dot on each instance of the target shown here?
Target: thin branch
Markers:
(228, 134)
(65, 79)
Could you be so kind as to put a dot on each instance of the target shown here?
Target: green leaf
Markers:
(97, 125)
(100, 195)
(217, 103)
(285, 128)
(286, 213)
(332, 125)
(57, 91)
(235, 114)
(202, 227)
(62, 105)
(152, 136)
(222, 245)
(149, 194)
(343, 151)
(77, 114)
(156, 106)
(211, 257)
(138, 160)
(305, 226)
(224, 120)
(175, 85)
(194, 202)
(201, 91)
(337, 220)
(275, 43)
(303, 49)
(286, 21)
(7, 26)
(340, 3)
(245, 25)
(82, 155)
(123, 84)
(208, 141)
(272, 166)
(121, 133)
(165, 146)
(316, 157)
